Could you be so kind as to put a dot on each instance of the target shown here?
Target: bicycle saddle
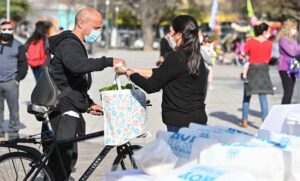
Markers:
(36, 109)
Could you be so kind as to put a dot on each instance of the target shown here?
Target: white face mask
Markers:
(171, 41)
(267, 35)
(293, 32)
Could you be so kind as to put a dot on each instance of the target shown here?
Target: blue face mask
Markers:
(92, 37)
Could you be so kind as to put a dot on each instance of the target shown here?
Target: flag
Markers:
(250, 9)
(213, 14)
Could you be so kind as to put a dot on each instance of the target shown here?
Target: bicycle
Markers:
(28, 163)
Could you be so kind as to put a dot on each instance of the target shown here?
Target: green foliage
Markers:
(194, 10)
(115, 87)
(128, 19)
(18, 9)
(273, 9)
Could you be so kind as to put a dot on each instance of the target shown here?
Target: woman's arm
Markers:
(291, 49)
(153, 80)
(143, 72)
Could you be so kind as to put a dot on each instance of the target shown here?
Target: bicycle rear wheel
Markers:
(124, 159)
(15, 165)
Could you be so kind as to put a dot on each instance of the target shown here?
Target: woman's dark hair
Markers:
(188, 27)
(39, 32)
(259, 29)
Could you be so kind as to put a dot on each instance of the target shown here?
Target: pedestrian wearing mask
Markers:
(258, 81)
(71, 69)
(182, 77)
(13, 68)
(288, 48)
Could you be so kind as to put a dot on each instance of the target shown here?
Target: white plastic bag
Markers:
(218, 128)
(268, 163)
(194, 172)
(184, 146)
(128, 175)
(287, 141)
(223, 135)
(155, 157)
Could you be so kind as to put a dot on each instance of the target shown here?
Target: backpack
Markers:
(45, 92)
(36, 54)
(294, 66)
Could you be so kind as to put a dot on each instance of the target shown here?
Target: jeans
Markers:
(172, 128)
(263, 105)
(9, 91)
(37, 72)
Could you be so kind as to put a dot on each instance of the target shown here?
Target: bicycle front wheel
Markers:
(15, 165)
(124, 160)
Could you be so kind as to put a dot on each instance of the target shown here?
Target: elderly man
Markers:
(71, 68)
(13, 69)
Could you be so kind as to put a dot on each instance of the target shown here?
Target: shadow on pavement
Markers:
(230, 118)
(252, 112)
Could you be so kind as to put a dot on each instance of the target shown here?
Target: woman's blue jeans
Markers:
(263, 105)
(172, 128)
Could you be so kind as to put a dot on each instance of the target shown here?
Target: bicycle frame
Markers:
(43, 158)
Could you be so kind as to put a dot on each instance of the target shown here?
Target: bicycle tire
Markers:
(15, 165)
(125, 160)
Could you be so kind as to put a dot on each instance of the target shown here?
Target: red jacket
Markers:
(36, 53)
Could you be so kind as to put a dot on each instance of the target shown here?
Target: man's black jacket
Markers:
(71, 67)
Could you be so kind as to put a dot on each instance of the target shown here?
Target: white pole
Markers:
(116, 23)
(107, 24)
(8, 10)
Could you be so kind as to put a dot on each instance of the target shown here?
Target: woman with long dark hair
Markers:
(259, 50)
(182, 76)
(37, 49)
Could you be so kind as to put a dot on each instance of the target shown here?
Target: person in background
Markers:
(13, 69)
(182, 76)
(208, 53)
(288, 48)
(258, 82)
(37, 48)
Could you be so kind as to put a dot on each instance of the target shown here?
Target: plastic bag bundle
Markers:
(193, 171)
(155, 157)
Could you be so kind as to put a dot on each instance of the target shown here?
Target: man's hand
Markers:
(119, 61)
(95, 110)
(121, 69)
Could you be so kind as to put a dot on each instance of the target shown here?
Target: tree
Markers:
(149, 12)
(274, 9)
(18, 9)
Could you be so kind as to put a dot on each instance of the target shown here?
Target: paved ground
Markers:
(223, 105)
